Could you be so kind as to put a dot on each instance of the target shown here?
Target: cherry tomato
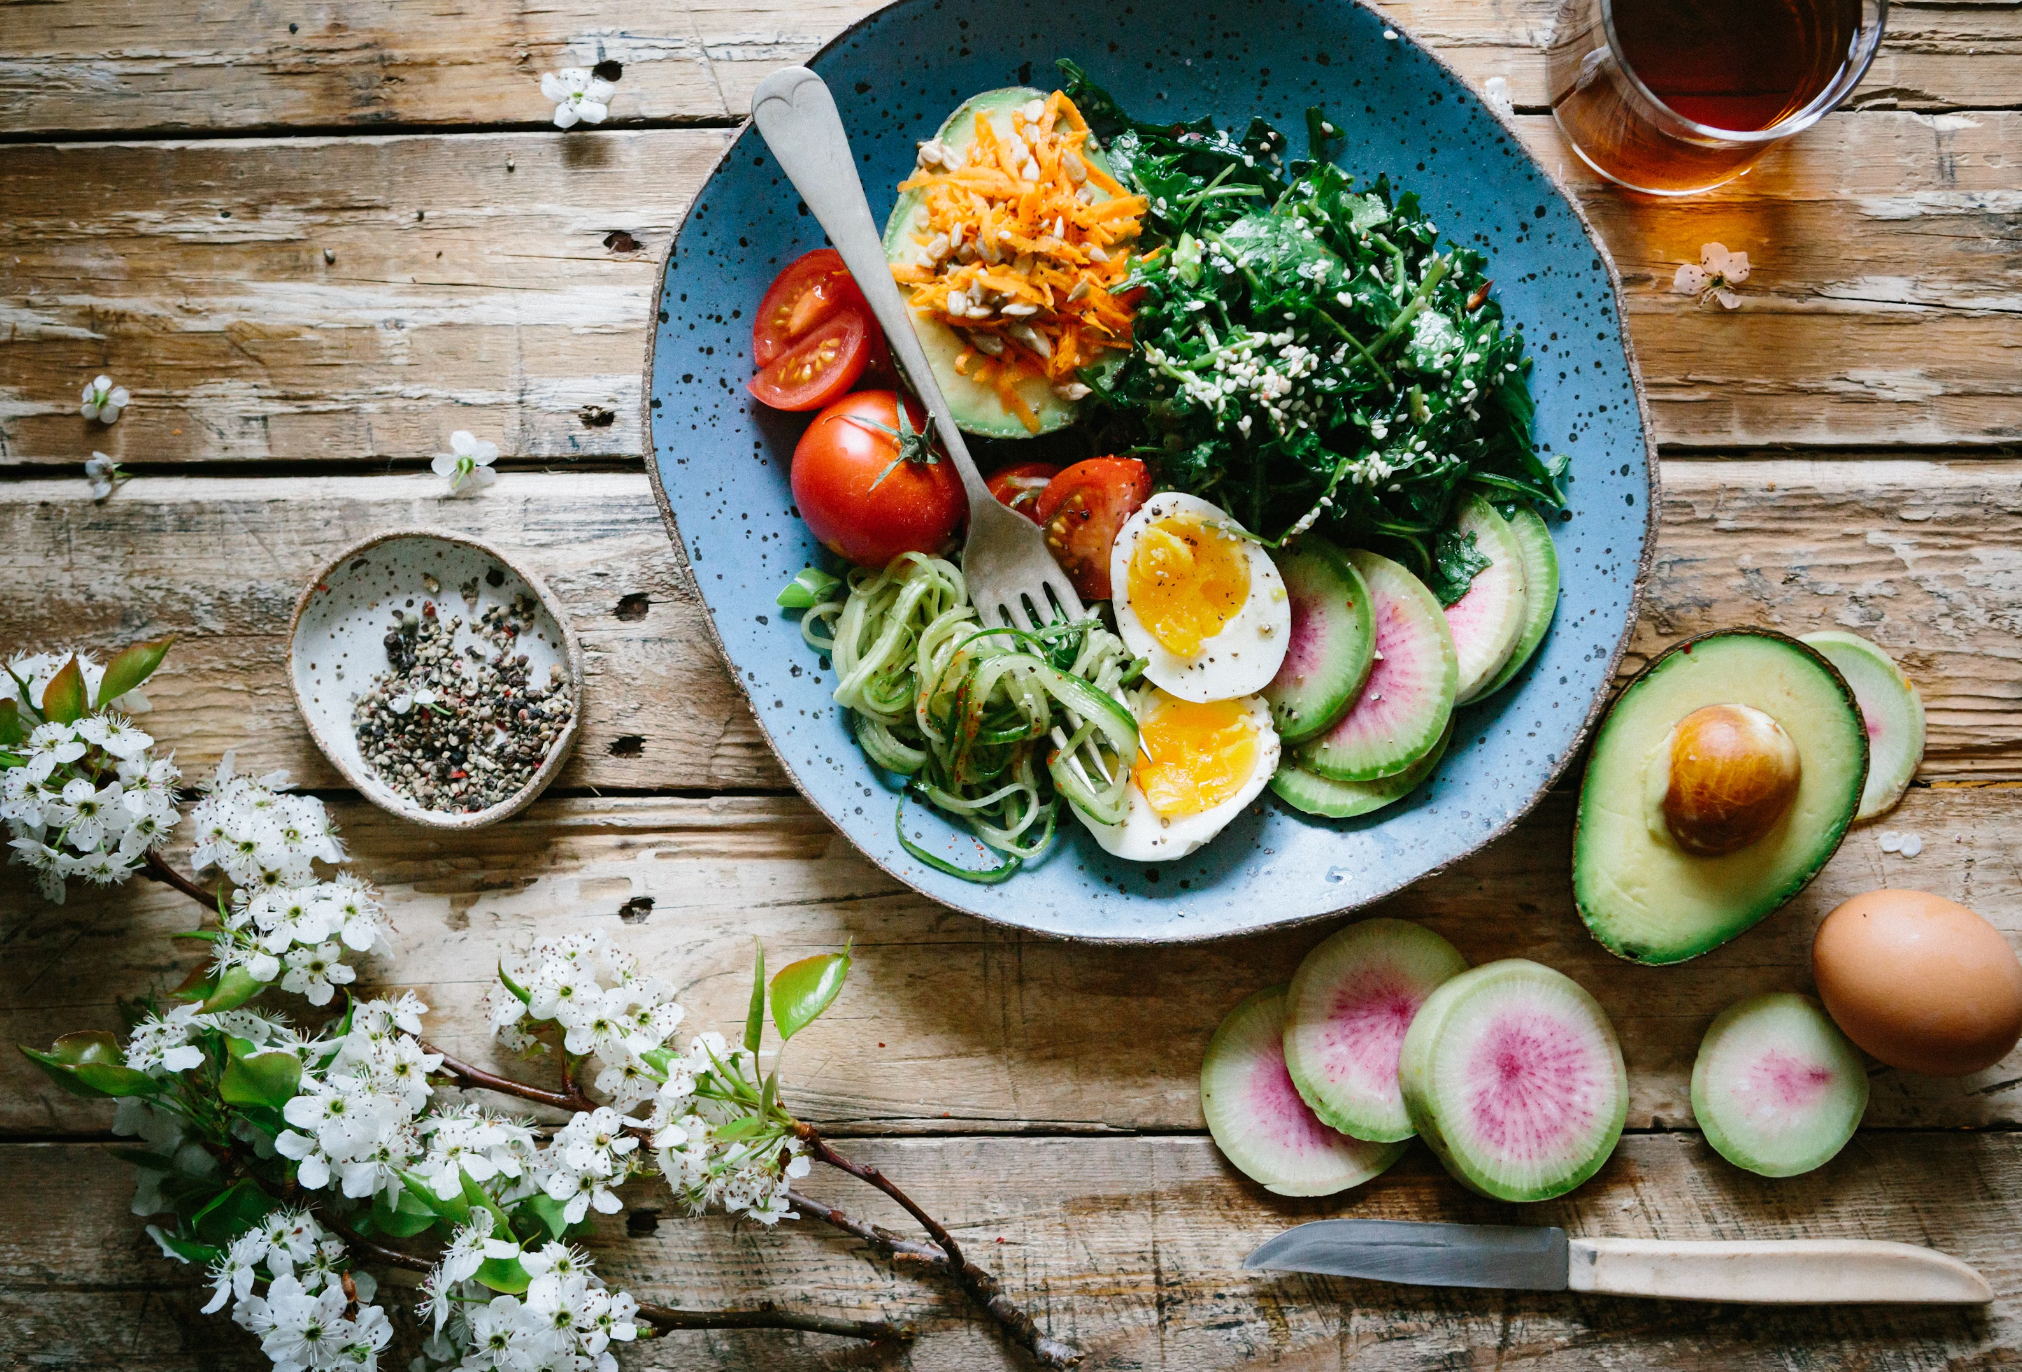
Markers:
(1082, 510)
(1019, 485)
(812, 288)
(867, 494)
(819, 367)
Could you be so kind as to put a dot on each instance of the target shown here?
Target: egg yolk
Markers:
(1194, 757)
(1187, 579)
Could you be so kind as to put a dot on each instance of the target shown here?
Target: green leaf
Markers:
(63, 697)
(811, 588)
(456, 1209)
(743, 1127)
(255, 1078)
(514, 986)
(477, 1198)
(118, 1081)
(403, 1217)
(202, 1254)
(505, 1276)
(226, 992)
(770, 1097)
(131, 667)
(804, 989)
(659, 1059)
(11, 732)
(553, 1214)
(754, 1019)
(90, 1065)
(235, 1210)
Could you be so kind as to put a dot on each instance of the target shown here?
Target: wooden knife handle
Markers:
(1776, 1272)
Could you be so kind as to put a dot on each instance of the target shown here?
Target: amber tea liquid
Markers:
(1735, 67)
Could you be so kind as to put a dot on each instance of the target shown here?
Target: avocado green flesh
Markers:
(976, 408)
(1645, 898)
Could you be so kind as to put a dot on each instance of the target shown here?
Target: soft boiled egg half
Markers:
(1198, 764)
(1203, 604)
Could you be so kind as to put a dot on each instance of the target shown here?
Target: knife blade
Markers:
(1527, 1258)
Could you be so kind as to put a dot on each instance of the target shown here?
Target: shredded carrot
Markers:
(1027, 242)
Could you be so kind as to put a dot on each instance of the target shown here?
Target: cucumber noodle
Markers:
(990, 726)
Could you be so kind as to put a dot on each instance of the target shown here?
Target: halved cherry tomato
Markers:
(813, 287)
(866, 493)
(818, 367)
(1019, 485)
(1082, 511)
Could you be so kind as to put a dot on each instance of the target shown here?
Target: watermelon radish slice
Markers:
(1487, 622)
(1512, 1073)
(1332, 643)
(1346, 1012)
(1408, 699)
(1316, 795)
(1891, 709)
(1258, 1120)
(1777, 1087)
(1541, 591)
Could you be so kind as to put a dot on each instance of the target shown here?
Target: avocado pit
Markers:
(1732, 773)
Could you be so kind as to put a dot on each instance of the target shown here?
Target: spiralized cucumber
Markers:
(991, 726)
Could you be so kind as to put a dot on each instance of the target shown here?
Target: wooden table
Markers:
(312, 240)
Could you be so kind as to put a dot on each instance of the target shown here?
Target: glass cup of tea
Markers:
(1676, 96)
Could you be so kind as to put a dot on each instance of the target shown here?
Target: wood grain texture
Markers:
(950, 1024)
(1921, 556)
(1131, 1248)
(107, 65)
(356, 299)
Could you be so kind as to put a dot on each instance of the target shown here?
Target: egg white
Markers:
(1245, 655)
(1147, 836)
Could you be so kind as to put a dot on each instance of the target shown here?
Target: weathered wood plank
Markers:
(949, 1023)
(356, 299)
(104, 65)
(1920, 556)
(1132, 1249)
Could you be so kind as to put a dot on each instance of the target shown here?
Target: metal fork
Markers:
(1005, 562)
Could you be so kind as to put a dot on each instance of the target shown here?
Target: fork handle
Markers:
(797, 117)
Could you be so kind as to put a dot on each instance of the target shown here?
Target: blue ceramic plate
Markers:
(721, 460)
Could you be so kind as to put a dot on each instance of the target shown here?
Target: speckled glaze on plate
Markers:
(337, 645)
(720, 460)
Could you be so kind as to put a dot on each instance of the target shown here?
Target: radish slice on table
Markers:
(1890, 708)
(1258, 1120)
(1350, 1002)
(1777, 1087)
(1512, 1073)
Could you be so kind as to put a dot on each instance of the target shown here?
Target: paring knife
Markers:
(1525, 1258)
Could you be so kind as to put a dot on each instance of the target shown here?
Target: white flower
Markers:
(1495, 91)
(469, 459)
(115, 734)
(101, 471)
(579, 96)
(102, 400)
(316, 972)
(1718, 270)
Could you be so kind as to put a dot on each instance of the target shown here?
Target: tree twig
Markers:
(983, 1288)
(469, 1075)
(909, 1250)
(366, 1248)
(157, 869)
(665, 1318)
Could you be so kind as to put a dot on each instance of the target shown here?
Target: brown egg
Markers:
(1734, 771)
(1920, 982)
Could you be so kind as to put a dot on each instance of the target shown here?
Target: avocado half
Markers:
(1644, 897)
(976, 408)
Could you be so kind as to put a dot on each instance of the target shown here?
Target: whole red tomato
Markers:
(870, 487)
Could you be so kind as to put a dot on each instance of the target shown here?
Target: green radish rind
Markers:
(976, 408)
(1436, 1050)
(1541, 592)
(1347, 1010)
(1641, 895)
(1891, 710)
(1777, 1088)
(1377, 737)
(1258, 1120)
(1487, 622)
(1332, 644)
(1313, 794)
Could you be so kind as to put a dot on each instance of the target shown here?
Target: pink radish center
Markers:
(1871, 722)
(1530, 1086)
(1364, 1033)
(1306, 645)
(1273, 1101)
(1784, 1081)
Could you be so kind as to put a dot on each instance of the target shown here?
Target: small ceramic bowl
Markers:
(337, 647)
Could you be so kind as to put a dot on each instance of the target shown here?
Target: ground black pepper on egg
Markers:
(488, 726)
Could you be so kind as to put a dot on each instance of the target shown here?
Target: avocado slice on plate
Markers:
(976, 408)
(1658, 881)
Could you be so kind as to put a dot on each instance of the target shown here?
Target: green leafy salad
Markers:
(1306, 356)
